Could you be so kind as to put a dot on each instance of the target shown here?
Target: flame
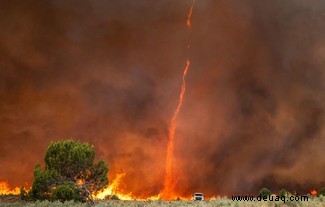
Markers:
(5, 189)
(113, 189)
(80, 182)
(169, 184)
(313, 192)
(168, 192)
(188, 22)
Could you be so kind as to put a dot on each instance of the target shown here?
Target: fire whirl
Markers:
(168, 192)
(188, 22)
(169, 184)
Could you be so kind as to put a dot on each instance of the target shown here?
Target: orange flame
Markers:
(313, 192)
(80, 182)
(113, 189)
(188, 22)
(169, 184)
(5, 189)
(168, 192)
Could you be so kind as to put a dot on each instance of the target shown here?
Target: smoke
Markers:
(109, 73)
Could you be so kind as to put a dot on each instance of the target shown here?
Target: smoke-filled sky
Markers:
(109, 73)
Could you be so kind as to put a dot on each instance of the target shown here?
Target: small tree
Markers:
(264, 192)
(70, 173)
(283, 193)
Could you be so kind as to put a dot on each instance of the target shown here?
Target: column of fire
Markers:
(169, 183)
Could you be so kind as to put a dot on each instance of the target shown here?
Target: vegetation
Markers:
(66, 191)
(284, 192)
(23, 193)
(70, 173)
(321, 192)
(264, 192)
(316, 202)
(111, 197)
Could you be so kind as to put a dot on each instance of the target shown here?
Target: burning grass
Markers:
(313, 202)
(5, 189)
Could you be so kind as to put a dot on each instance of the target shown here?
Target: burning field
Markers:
(317, 202)
(220, 97)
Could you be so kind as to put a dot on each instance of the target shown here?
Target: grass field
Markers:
(224, 202)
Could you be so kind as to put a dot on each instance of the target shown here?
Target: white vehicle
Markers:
(198, 197)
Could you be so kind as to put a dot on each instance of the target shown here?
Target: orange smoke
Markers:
(5, 189)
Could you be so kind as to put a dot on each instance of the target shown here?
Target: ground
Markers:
(14, 201)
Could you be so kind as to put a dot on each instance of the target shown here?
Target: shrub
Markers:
(283, 192)
(65, 192)
(321, 192)
(111, 197)
(70, 173)
(42, 183)
(115, 197)
(265, 192)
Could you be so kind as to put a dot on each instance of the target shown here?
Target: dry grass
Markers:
(222, 202)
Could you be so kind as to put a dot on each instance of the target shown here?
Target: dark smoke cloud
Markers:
(109, 72)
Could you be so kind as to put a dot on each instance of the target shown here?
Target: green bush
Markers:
(65, 192)
(283, 192)
(66, 164)
(265, 192)
(42, 183)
